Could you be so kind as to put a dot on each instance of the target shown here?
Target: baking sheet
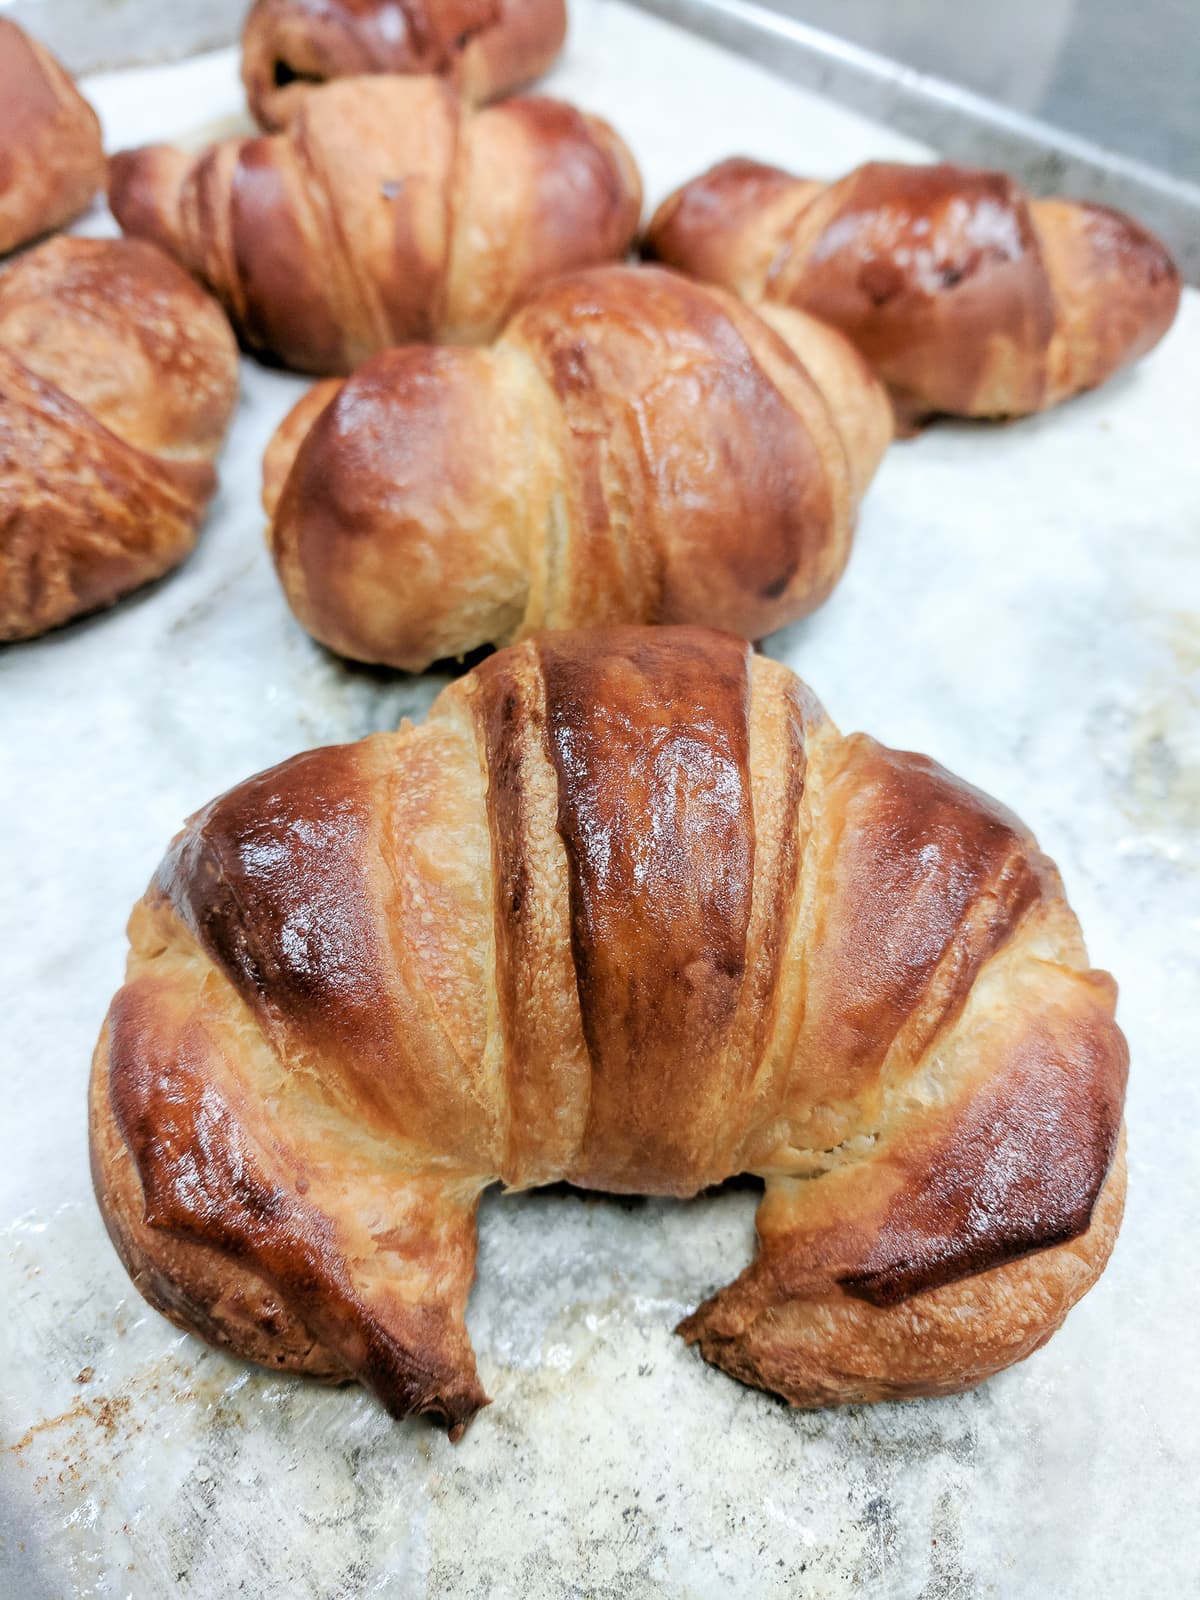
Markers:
(1023, 603)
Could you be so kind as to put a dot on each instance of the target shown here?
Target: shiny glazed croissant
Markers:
(51, 157)
(966, 296)
(635, 448)
(627, 910)
(387, 211)
(118, 378)
(483, 48)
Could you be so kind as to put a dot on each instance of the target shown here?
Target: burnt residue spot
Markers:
(105, 1413)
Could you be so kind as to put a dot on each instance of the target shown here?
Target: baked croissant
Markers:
(635, 448)
(388, 211)
(966, 296)
(628, 911)
(483, 48)
(118, 377)
(51, 157)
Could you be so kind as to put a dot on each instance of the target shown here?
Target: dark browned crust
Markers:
(289, 1169)
(78, 553)
(692, 228)
(205, 1180)
(485, 48)
(199, 1288)
(369, 536)
(284, 304)
(821, 1347)
(118, 377)
(269, 879)
(1021, 1170)
(51, 159)
(925, 878)
(650, 742)
(965, 296)
(636, 447)
(667, 391)
(385, 212)
(923, 268)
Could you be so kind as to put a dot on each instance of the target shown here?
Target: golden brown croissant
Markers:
(628, 911)
(388, 211)
(966, 296)
(635, 448)
(118, 377)
(483, 48)
(51, 157)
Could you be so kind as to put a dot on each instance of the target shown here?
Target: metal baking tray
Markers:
(961, 125)
(1023, 603)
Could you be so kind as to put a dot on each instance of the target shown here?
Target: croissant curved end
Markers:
(388, 537)
(1118, 290)
(51, 154)
(143, 193)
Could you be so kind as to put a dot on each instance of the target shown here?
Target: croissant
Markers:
(388, 211)
(483, 48)
(51, 158)
(628, 911)
(635, 447)
(966, 296)
(118, 377)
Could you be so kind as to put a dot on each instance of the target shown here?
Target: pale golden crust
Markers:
(51, 158)
(387, 211)
(965, 296)
(634, 448)
(483, 48)
(118, 378)
(628, 911)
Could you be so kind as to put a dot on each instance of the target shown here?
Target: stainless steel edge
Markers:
(956, 122)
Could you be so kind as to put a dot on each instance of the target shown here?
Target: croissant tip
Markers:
(1141, 271)
(456, 1412)
(143, 186)
(691, 1328)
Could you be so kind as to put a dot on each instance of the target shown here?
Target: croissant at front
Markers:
(386, 211)
(483, 48)
(628, 911)
(634, 448)
(967, 296)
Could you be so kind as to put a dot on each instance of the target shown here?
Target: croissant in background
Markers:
(635, 448)
(118, 378)
(51, 157)
(966, 296)
(626, 911)
(483, 48)
(388, 211)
